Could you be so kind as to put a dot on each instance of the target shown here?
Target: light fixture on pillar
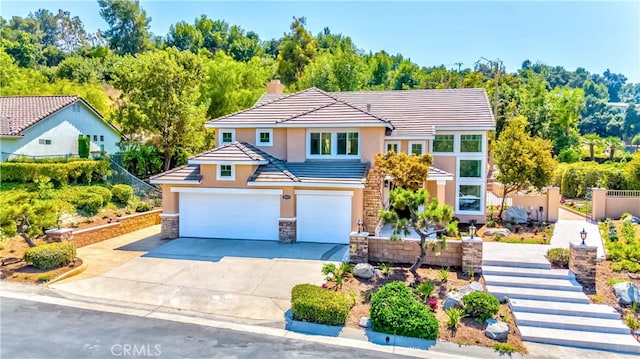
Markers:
(583, 235)
(541, 209)
(59, 222)
(359, 223)
(472, 227)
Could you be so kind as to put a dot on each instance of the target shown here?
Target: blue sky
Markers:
(594, 35)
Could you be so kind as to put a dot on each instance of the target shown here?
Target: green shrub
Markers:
(480, 305)
(453, 317)
(84, 171)
(104, 192)
(504, 348)
(425, 289)
(84, 146)
(395, 310)
(569, 155)
(122, 193)
(558, 257)
(574, 178)
(88, 202)
(313, 304)
(52, 255)
(143, 207)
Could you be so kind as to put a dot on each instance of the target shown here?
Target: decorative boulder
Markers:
(363, 270)
(472, 287)
(365, 322)
(497, 331)
(454, 300)
(516, 214)
(626, 293)
(505, 232)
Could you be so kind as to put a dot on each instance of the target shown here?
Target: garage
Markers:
(229, 213)
(323, 216)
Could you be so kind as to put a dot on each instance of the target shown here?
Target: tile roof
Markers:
(232, 152)
(309, 105)
(419, 112)
(179, 174)
(313, 171)
(17, 113)
(436, 172)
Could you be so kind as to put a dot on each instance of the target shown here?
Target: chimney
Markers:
(368, 107)
(274, 86)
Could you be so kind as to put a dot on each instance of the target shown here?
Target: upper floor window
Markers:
(443, 143)
(470, 143)
(101, 138)
(226, 173)
(393, 146)
(334, 144)
(95, 137)
(471, 168)
(416, 148)
(43, 141)
(264, 137)
(227, 136)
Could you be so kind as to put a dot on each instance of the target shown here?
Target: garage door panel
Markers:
(324, 218)
(237, 216)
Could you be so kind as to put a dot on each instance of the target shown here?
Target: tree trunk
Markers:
(23, 234)
(167, 162)
(592, 152)
(612, 150)
(420, 260)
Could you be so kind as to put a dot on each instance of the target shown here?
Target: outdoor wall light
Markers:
(583, 235)
(359, 223)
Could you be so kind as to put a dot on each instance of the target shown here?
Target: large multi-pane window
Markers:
(470, 143)
(334, 144)
(320, 143)
(347, 143)
(443, 143)
(469, 197)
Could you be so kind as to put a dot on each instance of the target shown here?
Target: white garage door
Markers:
(324, 216)
(230, 215)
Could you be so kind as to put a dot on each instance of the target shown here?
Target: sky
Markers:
(593, 35)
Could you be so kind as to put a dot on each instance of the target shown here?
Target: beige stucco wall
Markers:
(371, 143)
(616, 206)
(448, 163)
(296, 145)
(169, 200)
(534, 201)
(288, 206)
(209, 175)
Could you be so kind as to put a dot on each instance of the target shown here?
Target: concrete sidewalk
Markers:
(567, 230)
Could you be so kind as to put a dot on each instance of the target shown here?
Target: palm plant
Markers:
(425, 289)
(613, 144)
(592, 140)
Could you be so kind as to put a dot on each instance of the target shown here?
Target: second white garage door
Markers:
(323, 216)
(230, 215)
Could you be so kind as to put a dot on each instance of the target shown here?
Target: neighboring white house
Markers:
(50, 125)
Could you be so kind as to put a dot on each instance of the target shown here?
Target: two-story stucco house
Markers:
(43, 126)
(298, 167)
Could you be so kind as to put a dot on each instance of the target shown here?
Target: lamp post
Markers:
(583, 235)
(359, 223)
(472, 228)
(541, 209)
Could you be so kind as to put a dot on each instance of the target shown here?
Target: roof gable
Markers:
(232, 152)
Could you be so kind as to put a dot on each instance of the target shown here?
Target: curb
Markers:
(70, 273)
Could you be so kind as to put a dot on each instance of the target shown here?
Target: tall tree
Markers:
(298, 49)
(184, 36)
(523, 161)
(631, 121)
(128, 31)
(592, 140)
(613, 82)
(565, 105)
(159, 98)
(613, 144)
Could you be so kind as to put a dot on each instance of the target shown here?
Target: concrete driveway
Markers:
(239, 280)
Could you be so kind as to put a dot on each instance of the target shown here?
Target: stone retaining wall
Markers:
(384, 250)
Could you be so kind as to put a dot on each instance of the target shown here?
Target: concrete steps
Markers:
(535, 264)
(528, 272)
(531, 282)
(563, 308)
(582, 339)
(537, 294)
(568, 322)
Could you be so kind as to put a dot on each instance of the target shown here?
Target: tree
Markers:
(159, 98)
(565, 105)
(26, 215)
(633, 170)
(613, 144)
(614, 82)
(523, 161)
(407, 171)
(298, 49)
(592, 140)
(631, 121)
(184, 36)
(128, 31)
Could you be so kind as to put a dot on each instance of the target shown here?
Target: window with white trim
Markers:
(392, 146)
(443, 143)
(43, 141)
(339, 144)
(470, 143)
(95, 137)
(347, 143)
(469, 197)
(416, 148)
(227, 136)
(264, 137)
(470, 168)
(226, 173)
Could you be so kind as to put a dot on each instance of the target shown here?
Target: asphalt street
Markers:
(40, 330)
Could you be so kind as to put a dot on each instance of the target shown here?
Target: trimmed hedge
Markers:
(395, 310)
(52, 255)
(104, 192)
(122, 193)
(314, 304)
(60, 173)
(88, 202)
(143, 207)
(481, 305)
(574, 179)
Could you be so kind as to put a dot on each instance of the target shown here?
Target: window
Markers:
(95, 137)
(227, 136)
(470, 143)
(101, 148)
(443, 143)
(320, 143)
(264, 137)
(416, 148)
(393, 146)
(43, 141)
(226, 173)
(471, 168)
(348, 143)
(469, 197)
(101, 138)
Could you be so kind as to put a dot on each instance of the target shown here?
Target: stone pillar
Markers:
(359, 247)
(582, 262)
(598, 204)
(553, 204)
(472, 254)
(169, 226)
(287, 230)
(440, 195)
(372, 201)
(59, 235)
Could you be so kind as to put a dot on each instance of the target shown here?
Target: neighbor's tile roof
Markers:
(308, 106)
(17, 113)
(183, 173)
(418, 112)
(233, 152)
